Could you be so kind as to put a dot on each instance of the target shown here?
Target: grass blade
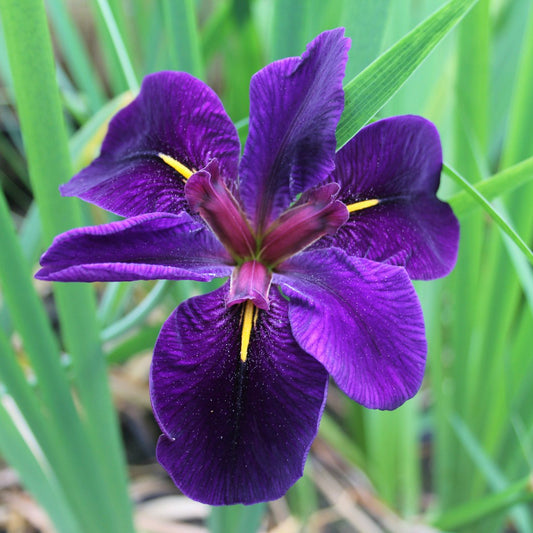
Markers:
(518, 141)
(29, 318)
(16, 451)
(368, 92)
(119, 45)
(483, 202)
(182, 37)
(85, 144)
(506, 496)
(21, 401)
(75, 54)
(287, 36)
(97, 447)
(365, 23)
(138, 314)
(472, 512)
(236, 518)
(503, 182)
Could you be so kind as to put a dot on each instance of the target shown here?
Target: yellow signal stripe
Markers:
(362, 205)
(248, 322)
(176, 165)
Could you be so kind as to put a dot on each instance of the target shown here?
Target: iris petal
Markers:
(295, 105)
(397, 161)
(152, 246)
(175, 116)
(361, 320)
(235, 432)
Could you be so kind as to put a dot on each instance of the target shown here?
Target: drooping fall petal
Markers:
(234, 431)
(361, 320)
(398, 162)
(152, 246)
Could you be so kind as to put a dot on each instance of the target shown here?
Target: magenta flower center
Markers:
(256, 254)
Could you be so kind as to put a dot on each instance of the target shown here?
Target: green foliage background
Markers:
(58, 424)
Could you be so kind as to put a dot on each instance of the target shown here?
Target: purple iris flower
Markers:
(319, 248)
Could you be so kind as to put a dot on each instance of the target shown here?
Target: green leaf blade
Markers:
(94, 438)
(497, 185)
(368, 92)
(498, 219)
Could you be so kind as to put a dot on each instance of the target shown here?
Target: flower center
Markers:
(209, 196)
(314, 215)
(250, 281)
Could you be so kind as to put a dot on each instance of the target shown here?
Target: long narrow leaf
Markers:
(119, 45)
(32, 425)
(236, 518)
(365, 23)
(506, 496)
(182, 37)
(31, 60)
(503, 182)
(503, 225)
(137, 315)
(518, 142)
(15, 449)
(76, 55)
(29, 318)
(481, 509)
(369, 91)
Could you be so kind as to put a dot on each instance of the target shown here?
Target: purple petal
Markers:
(234, 432)
(175, 115)
(152, 246)
(295, 105)
(398, 162)
(361, 320)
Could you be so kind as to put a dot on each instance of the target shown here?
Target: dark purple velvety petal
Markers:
(176, 115)
(397, 161)
(295, 105)
(361, 320)
(152, 246)
(234, 432)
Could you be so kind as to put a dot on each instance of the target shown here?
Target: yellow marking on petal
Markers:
(176, 165)
(362, 205)
(248, 322)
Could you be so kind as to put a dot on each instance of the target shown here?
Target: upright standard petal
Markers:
(152, 246)
(389, 175)
(173, 128)
(234, 431)
(361, 320)
(295, 105)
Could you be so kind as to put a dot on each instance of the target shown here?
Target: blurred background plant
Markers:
(75, 423)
